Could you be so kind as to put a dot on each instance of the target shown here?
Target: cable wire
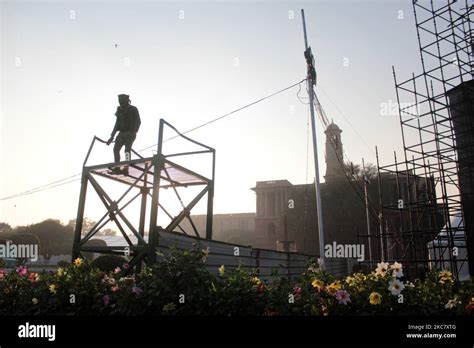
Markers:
(229, 113)
(347, 120)
(43, 187)
(355, 185)
(60, 182)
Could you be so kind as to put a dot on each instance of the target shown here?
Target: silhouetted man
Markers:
(127, 124)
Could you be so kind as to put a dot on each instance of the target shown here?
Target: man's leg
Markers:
(129, 139)
(119, 142)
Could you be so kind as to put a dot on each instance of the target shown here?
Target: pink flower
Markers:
(22, 270)
(126, 266)
(297, 290)
(469, 309)
(115, 288)
(117, 270)
(136, 290)
(107, 280)
(106, 299)
(343, 297)
(3, 273)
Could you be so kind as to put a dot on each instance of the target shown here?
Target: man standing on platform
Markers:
(127, 124)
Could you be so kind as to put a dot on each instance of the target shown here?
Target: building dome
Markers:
(333, 128)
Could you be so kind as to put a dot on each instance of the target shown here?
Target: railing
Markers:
(96, 138)
(264, 262)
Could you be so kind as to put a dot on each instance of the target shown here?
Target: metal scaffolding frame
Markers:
(427, 183)
(147, 177)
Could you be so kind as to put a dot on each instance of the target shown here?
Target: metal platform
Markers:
(141, 173)
(146, 176)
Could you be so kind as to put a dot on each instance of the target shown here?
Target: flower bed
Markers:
(181, 285)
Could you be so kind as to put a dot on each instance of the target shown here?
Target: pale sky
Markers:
(189, 62)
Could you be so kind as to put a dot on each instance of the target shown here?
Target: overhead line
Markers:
(60, 182)
(230, 113)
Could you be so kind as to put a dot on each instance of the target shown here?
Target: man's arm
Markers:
(112, 135)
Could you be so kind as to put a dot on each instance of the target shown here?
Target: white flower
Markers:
(397, 269)
(395, 287)
(450, 304)
(205, 254)
(381, 269)
(106, 279)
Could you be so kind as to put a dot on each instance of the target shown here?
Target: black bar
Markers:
(80, 216)
(172, 225)
(210, 199)
(310, 331)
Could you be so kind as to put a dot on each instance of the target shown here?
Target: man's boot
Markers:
(115, 170)
(128, 157)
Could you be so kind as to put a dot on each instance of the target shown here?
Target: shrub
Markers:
(180, 285)
(108, 263)
(63, 263)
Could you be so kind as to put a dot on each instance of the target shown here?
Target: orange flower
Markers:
(334, 287)
(317, 284)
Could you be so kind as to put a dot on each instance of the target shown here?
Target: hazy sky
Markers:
(189, 62)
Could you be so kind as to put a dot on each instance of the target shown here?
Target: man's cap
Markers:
(124, 96)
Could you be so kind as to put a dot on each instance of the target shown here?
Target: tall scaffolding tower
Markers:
(427, 225)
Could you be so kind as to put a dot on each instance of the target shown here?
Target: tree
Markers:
(108, 263)
(88, 224)
(356, 171)
(53, 237)
(4, 227)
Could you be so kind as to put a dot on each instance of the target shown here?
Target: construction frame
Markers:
(433, 203)
(147, 176)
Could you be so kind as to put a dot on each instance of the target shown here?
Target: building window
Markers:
(271, 206)
(260, 204)
(271, 231)
(278, 204)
